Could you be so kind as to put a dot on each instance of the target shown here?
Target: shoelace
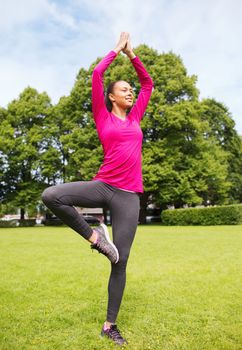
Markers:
(97, 247)
(115, 333)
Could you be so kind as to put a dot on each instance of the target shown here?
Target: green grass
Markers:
(183, 290)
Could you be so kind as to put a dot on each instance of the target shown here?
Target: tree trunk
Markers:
(22, 213)
(143, 205)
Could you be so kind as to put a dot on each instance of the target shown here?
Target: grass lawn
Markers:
(183, 290)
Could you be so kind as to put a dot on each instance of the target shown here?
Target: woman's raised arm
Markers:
(146, 83)
(98, 98)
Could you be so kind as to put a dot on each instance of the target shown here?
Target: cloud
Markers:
(37, 48)
(16, 13)
(60, 16)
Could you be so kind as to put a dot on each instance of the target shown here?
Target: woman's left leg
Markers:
(124, 208)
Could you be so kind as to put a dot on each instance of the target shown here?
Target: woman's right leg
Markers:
(61, 199)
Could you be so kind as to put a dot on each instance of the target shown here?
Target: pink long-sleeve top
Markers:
(121, 139)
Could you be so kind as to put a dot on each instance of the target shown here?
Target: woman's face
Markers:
(122, 95)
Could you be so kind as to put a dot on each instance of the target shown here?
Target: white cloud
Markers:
(60, 16)
(14, 13)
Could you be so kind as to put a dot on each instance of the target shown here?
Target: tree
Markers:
(70, 139)
(178, 162)
(181, 167)
(20, 139)
(222, 129)
(5, 144)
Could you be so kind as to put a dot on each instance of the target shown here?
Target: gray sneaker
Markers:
(104, 245)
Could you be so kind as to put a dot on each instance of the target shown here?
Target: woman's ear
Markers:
(111, 97)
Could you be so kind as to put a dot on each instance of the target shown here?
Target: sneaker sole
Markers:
(109, 241)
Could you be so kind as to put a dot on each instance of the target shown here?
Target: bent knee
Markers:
(49, 195)
(122, 263)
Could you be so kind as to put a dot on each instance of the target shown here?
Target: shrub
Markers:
(219, 215)
(17, 223)
(27, 222)
(8, 223)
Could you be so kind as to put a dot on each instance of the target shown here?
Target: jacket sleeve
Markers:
(98, 98)
(146, 83)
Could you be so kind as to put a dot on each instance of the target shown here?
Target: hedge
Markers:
(27, 222)
(219, 215)
(17, 223)
(8, 223)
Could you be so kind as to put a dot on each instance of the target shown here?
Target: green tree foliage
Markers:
(86, 155)
(21, 133)
(71, 150)
(180, 165)
(5, 144)
(222, 129)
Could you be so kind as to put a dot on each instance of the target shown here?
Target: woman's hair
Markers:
(108, 102)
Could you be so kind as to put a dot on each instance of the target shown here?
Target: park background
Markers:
(187, 293)
(192, 128)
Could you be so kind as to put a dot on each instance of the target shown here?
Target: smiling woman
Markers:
(118, 183)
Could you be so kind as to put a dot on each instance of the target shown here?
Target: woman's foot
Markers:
(104, 245)
(114, 334)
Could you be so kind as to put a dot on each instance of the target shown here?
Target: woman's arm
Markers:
(98, 98)
(146, 83)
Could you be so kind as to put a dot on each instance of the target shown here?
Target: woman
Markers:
(118, 183)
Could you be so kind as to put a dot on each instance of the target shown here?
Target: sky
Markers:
(44, 43)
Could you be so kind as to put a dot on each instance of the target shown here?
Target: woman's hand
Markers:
(128, 49)
(124, 36)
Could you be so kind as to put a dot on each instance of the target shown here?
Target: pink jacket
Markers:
(121, 139)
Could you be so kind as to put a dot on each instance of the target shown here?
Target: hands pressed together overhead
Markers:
(124, 45)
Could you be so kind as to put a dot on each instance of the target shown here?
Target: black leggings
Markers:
(124, 207)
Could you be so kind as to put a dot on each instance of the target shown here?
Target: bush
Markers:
(9, 223)
(17, 223)
(220, 215)
(27, 222)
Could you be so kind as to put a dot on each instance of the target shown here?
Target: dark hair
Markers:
(108, 102)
